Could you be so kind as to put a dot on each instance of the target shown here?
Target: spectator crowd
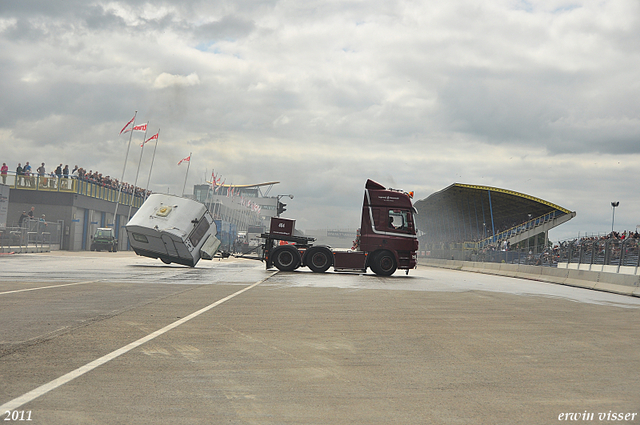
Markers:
(620, 236)
(25, 176)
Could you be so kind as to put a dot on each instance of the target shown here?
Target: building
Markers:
(73, 209)
(463, 218)
(240, 205)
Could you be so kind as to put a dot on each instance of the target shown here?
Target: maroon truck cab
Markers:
(387, 239)
(387, 229)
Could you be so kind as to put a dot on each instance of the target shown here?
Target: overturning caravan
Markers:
(173, 229)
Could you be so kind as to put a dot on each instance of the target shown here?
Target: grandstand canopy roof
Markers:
(471, 212)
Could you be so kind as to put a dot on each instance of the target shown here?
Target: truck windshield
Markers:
(400, 220)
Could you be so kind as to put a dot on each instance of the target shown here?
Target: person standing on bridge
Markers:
(4, 170)
(26, 170)
(42, 175)
(19, 173)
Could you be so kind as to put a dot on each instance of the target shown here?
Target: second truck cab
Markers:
(386, 242)
(387, 229)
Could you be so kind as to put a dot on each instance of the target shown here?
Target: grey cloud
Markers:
(97, 18)
(228, 27)
(24, 31)
(557, 111)
(322, 96)
(40, 8)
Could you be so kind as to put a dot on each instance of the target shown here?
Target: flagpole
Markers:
(146, 189)
(135, 183)
(210, 191)
(187, 173)
(115, 213)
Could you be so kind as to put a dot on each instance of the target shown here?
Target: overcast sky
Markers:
(540, 97)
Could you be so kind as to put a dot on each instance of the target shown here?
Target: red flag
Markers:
(221, 184)
(213, 180)
(141, 127)
(155, 136)
(187, 159)
(123, 128)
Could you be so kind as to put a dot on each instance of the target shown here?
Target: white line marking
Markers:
(47, 287)
(50, 386)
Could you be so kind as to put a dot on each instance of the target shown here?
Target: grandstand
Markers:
(462, 220)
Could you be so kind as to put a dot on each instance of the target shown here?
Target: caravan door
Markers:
(170, 246)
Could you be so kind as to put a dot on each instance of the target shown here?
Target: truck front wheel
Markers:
(384, 264)
(319, 259)
(286, 258)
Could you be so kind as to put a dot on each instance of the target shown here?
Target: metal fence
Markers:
(601, 252)
(611, 255)
(33, 236)
(534, 255)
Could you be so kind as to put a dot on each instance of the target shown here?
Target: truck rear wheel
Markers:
(286, 258)
(319, 259)
(384, 264)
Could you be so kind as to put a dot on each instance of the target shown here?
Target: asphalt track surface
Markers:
(112, 338)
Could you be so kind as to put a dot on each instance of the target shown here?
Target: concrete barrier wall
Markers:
(619, 283)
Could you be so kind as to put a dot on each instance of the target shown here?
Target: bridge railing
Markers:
(520, 228)
(70, 185)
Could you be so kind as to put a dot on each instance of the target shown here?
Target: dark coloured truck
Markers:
(386, 241)
(104, 239)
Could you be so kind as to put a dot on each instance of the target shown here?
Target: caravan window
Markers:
(139, 238)
(200, 230)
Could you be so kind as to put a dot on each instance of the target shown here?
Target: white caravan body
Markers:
(173, 229)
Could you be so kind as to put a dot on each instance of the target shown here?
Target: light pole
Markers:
(280, 207)
(613, 215)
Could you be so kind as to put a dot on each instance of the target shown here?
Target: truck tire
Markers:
(286, 258)
(319, 259)
(384, 263)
